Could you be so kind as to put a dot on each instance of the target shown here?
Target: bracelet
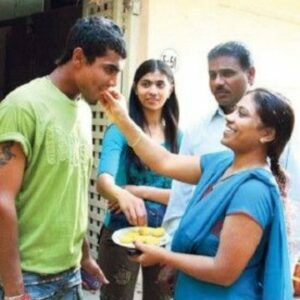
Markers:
(19, 297)
(138, 139)
(296, 279)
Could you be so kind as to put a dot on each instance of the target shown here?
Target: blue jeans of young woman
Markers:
(62, 286)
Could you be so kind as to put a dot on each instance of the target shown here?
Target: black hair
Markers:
(275, 111)
(95, 35)
(233, 49)
(170, 111)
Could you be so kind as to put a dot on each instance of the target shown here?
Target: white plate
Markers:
(118, 233)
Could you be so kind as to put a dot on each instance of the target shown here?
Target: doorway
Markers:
(30, 45)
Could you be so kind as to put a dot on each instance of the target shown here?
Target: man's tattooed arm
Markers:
(12, 162)
(6, 153)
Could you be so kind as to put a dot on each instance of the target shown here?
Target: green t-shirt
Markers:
(52, 205)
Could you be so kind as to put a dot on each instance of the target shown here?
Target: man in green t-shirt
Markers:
(45, 165)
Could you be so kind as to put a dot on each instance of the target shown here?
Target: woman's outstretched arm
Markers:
(181, 167)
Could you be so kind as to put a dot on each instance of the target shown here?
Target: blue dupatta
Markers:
(276, 274)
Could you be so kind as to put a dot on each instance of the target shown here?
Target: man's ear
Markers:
(78, 57)
(251, 75)
(269, 135)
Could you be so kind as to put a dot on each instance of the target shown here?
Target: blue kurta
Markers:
(253, 192)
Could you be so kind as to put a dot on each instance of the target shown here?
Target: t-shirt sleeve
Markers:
(17, 124)
(253, 198)
(113, 145)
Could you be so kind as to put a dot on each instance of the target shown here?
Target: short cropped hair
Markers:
(95, 35)
(233, 49)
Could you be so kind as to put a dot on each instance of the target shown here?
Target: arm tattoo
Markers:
(5, 153)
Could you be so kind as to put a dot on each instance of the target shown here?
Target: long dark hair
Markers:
(275, 112)
(170, 110)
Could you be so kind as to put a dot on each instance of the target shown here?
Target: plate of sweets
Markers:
(148, 235)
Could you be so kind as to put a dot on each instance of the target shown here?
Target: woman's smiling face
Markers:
(244, 130)
(153, 90)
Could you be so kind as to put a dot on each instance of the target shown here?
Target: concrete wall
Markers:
(271, 29)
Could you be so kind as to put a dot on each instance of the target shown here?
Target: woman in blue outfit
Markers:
(137, 195)
(231, 242)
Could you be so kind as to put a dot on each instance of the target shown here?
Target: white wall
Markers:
(271, 29)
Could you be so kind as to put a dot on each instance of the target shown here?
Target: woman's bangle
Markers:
(19, 297)
(138, 139)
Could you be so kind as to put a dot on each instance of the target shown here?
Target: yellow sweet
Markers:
(152, 240)
(158, 232)
(140, 239)
(145, 230)
(147, 235)
(126, 239)
(132, 234)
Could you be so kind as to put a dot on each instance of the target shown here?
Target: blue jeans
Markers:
(62, 286)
